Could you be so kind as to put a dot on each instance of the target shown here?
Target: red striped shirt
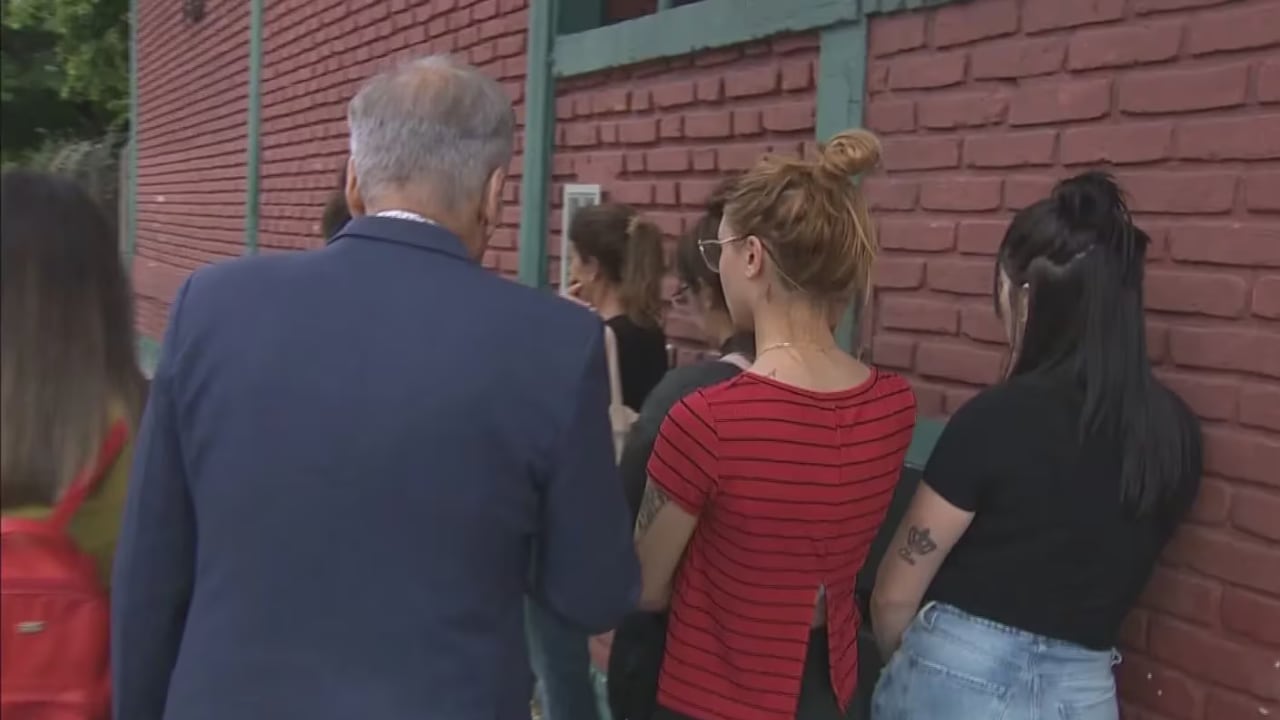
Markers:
(789, 487)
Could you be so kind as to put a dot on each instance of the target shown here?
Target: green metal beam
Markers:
(698, 26)
(253, 132)
(539, 126)
(131, 148)
(842, 71)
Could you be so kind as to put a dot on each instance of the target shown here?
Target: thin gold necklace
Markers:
(793, 345)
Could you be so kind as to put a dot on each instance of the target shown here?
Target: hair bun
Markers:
(1090, 199)
(849, 153)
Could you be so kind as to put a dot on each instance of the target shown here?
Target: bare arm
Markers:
(662, 532)
(929, 529)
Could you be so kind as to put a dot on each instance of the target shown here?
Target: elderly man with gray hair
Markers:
(357, 461)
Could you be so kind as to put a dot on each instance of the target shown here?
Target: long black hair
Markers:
(1079, 259)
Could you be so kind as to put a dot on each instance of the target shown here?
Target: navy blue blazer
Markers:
(354, 464)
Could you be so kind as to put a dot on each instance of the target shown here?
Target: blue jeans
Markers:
(954, 665)
(560, 659)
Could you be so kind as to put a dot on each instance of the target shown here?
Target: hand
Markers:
(574, 292)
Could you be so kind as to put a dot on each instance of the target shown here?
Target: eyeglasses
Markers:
(713, 248)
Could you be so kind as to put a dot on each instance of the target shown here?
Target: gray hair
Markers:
(433, 122)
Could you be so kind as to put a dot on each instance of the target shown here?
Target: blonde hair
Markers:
(812, 217)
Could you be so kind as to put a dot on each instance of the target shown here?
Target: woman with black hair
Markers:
(1048, 497)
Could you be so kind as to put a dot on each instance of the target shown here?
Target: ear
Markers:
(355, 203)
(753, 255)
(493, 196)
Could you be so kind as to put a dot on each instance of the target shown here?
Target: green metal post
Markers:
(664, 5)
(535, 180)
(131, 148)
(254, 130)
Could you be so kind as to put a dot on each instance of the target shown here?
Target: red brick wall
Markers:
(659, 136)
(193, 84)
(194, 81)
(982, 105)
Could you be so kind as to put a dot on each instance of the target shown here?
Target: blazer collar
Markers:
(420, 235)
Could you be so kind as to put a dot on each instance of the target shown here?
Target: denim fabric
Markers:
(954, 665)
(561, 661)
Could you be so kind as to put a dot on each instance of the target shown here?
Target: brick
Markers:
(966, 109)
(1257, 513)
(797, 75)
(966, 22)
(1207, 655)
(877, 77)
(1252, 616)
(1247, 27)
(1245, 138)
(1183, 595)
(751, 83)
(611, 101)
(1183, 90)
(934, 70)
(1243, 454)
(1226, 243)
(955, 398)
(981, 237)
(890, 116)
(1060, 101)
(669, 127)
(893, 351)
(920, 153)
(1006, 150)
(962, 277)
(1117, 144)
(1213, 503)
(882, 193)
(1269, 81)
(917, 235)
(1023, 190)
(962, 363)
(788, 44)
(1144, 7)
(673, 94)
(1199, 293)
(1131, 44)
(1266, 297)
(1133, 631)
(1158, 688)
(741, 157)
(664, 193)
(895, 33)
(631, 193)
(980, 322)
(638, 132)
(580, 135)
(709, 125)
(1041, 15)
(929, 398)
(1260, 406)
(696, 192)
(898, 273)
(1180, 193)
(704, 159)
(667, 160)
(1240, 349)
(1262, 191)
(710, 89)
(789, 117)
(964, 194)
(901, 313)
(1210, 398)
(747, 122)
(1017, 59)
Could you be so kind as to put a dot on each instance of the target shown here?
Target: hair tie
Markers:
(632, 224)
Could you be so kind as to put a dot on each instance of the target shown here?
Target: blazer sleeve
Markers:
(586, 569)
(155, 556)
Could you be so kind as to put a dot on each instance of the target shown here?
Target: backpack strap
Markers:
(615, 371)
(87, 480)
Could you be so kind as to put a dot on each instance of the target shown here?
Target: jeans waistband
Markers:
(991, 634)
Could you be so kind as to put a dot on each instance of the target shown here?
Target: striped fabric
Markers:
(789, 486)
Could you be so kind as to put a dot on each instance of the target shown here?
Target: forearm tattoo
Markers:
(918, 543)
(653, 501)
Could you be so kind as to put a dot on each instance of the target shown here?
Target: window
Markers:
(580, 15)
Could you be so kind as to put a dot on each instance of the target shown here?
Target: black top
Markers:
(642, 358)
(675, 385)
(1051, 549)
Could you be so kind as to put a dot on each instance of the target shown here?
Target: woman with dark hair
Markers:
(68, 369)
(616, 267)
(1048, 497)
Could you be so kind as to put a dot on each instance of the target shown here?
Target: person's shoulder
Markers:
(680, 381)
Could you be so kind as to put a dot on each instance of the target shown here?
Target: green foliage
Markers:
(64, 72)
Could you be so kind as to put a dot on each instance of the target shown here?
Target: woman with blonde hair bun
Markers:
(765, 492)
